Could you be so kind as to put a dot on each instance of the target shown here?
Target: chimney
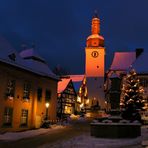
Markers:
(139, 51)
(23, 46)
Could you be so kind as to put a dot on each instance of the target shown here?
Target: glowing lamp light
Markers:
(81, 105)
(87, 101)
(47, 104)
(78, 99)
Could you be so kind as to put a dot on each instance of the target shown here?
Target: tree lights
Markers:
(132, 94)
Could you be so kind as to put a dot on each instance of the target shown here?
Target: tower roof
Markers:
(95, 39)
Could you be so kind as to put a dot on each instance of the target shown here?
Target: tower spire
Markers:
(95, 26)
(95, 14)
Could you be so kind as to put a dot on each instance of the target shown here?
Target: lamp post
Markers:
(47, 106)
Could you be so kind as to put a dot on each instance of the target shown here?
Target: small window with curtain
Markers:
(8, 112)
(10, 90)
(24, 117)
(27, 87)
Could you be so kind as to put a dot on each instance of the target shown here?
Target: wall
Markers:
(36, 109)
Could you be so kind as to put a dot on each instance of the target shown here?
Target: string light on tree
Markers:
(132, 92)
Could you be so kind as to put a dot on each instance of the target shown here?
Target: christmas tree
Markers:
(132, 95)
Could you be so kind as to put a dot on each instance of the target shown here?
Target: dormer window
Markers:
(12, 56)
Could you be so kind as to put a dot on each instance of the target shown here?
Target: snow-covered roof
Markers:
(122, 60)
(10, 56)
(30, 53)
(35, 62)
(76, 78)
(95, 36)
(63, 84)
(141, 64)
(39, 67)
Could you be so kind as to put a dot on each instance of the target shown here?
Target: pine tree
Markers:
(132, 94)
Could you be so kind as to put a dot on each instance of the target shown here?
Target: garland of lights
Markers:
(132, 92)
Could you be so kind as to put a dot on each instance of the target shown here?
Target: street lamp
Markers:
(47, 106)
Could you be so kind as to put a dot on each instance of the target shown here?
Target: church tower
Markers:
(95, 64)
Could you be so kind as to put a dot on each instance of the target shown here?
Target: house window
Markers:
(47, 95)
(8, 116)
(26, 95)
(24, 117)
(39, 94)
(10, 91)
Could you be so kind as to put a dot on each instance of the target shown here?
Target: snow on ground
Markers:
(82, 141)
(12, 136)
(87, 141)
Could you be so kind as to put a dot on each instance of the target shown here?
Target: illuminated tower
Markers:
(95, 64)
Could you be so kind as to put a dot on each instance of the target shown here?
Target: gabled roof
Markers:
(122, 60)
(10, 56)
(39, 67)
(31, 53)
(63, 84)
(141, 64)
(35, 62)
(76, 78)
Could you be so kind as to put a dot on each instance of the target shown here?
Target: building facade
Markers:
(24, 92)
(66, 98)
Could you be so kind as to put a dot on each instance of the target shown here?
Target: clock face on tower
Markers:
(94, 54)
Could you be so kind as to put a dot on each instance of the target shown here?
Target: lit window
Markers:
(8, 116)
(10, 91)
(26, 95)
(24, 117)
(78, 99)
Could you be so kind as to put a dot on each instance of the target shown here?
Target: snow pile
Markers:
(12, 136)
